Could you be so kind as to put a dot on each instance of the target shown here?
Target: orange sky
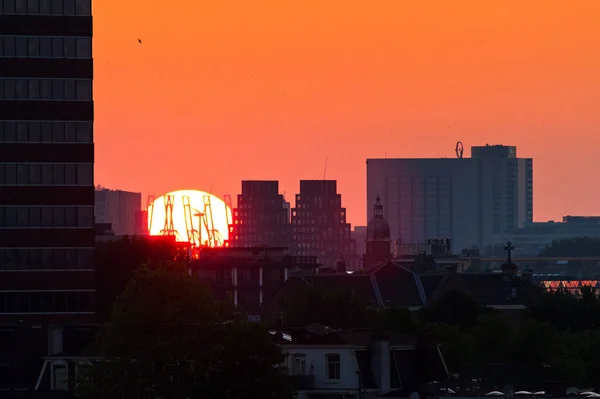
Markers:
(227, 90)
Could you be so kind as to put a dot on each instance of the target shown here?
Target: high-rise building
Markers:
(122, 209)
(319, 225)
(262, 216)
(464, 199)
(509, 181)
(46, 182)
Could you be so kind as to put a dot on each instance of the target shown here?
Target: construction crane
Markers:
(208, 215)
(192, 234)
(150, 212)
(459, 150)
(169, 228)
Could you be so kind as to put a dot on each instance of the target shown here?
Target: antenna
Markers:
(325, 171)
(459, 149)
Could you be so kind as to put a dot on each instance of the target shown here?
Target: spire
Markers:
(378, 208)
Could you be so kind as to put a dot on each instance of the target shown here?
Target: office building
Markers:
(122, 209)
(319, 225)
(46, 182)
(261, 217)
(466, 200)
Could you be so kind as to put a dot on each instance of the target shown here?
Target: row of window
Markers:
(46, 89)
(46, 259)
(45, 47)
(46, 132)
(47, 7)
(46, 217)
(46, 174)
(46, 302)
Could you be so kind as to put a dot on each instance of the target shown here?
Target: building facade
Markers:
(122, 209)
(262, 216)
(464, 199)
(46, 181)
(378, 242)
(319, 225)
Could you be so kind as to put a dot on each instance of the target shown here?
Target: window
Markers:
(60, 377)
(46, 174)
(333, 366)
(299, 364)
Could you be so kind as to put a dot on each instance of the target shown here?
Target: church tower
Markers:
(378, 238)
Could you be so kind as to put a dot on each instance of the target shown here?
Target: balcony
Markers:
(305, 381)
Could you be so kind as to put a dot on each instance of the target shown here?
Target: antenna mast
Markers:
(459, 150)
(325, 171)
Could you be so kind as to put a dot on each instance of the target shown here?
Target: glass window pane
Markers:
(46, 128)
(34, 89)
(84, 175)
(57, 8)
(70, 132)
(70, 90)
(57, 47)
(58, 89)
(35, 174)
(33, 47)
(46, 7)
(9, 47)
(9, 89)
(58, 132)
(47, 215)
(46, 174)
(69, 47)
(58, 217)
(10, 174)
(45, 47)
(58, 174)
(83, 7)
(22, 174)
(84, 47)
(21, 6)
(21, 45)
(69, 7)
(22, 132)
(84, 90)
(84, 132)
(21, 89)
(33, 6)
(71, 174)
(35, 216)
(46, 89)
(34, 132)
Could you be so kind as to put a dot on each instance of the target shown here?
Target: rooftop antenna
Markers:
(459, 149)
(325, 171)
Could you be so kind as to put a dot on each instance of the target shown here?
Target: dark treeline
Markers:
(555, 339)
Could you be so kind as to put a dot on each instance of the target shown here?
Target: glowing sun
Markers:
(192, 221)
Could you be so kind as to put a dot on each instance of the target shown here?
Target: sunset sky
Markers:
(220, 91)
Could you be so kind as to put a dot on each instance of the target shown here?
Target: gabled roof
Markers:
(396, 284)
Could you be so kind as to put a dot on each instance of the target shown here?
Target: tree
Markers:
(454, 308)
(168, 338)
(572, 247)
(341, 308)
(116, 262)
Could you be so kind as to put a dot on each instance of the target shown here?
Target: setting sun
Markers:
(197, 217)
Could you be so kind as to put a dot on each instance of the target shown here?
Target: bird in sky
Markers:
(140, 41)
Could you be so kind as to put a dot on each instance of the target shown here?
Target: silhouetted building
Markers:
(319, 225)
(46, 182)
(246, 276)
(359, 235)
(262, 217)
(465, 199)
(122, 209)
(378, 238)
